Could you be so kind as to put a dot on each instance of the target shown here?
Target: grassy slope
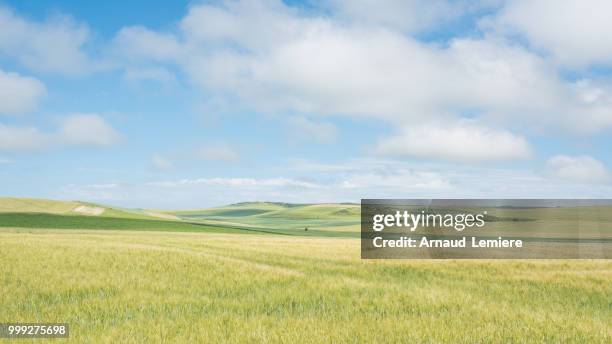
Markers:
(197, 287)
(31, 205)
(44, 206)
(27, 213)
(283, 217)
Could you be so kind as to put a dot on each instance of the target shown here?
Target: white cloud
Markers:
(22, 139)
(76, 130)
(584, 169)
(136, 42)
(217, 152)
(308, 130)
(5, 161)
(55, 45)
(463, 142)
(575, 32)
(87, 130)
(273, 58)
(160, 163)
(254, 25)
(19, 94)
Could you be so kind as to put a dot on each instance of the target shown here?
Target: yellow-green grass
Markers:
(46, 206)
(32, 205)
(122, 286)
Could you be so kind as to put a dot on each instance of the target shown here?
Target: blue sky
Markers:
(189, 104)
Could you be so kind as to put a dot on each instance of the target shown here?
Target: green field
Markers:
(113, 280)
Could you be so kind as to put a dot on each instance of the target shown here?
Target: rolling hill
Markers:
(69, 208)
(281, 216)
(328, 220)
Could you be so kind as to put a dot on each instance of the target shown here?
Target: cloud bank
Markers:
(56, 45)
(277, 59)
(19, 94)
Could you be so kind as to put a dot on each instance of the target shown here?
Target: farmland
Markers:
(271, 218)
(152, 280)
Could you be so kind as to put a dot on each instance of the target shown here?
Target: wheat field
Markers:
(124, 286)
